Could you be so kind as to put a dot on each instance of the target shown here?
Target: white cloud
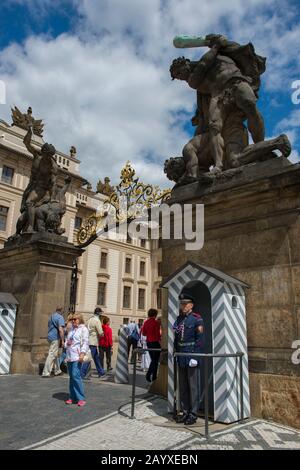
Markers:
(102, 99)
(290, 126)
(294, 157)
(105, 87)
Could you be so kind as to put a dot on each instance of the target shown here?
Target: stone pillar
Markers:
(252, 232)
(36, 269)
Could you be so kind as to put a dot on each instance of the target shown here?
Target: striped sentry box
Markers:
(229, 335)
(8, 310)
(122, 374)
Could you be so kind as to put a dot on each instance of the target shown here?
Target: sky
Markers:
(97, 72)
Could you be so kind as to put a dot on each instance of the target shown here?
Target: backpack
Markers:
(135, 334)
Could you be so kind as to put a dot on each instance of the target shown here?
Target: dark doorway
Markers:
(202, 305)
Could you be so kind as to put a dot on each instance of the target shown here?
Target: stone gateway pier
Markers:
(252, 232)
(251, 197)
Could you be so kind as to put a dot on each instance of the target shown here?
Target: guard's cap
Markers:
(185, 297)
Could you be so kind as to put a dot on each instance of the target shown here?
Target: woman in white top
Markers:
(77, 345)
(145, 361)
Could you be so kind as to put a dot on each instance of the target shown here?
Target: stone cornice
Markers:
(143, 282)
(128, 279)
(103, 274)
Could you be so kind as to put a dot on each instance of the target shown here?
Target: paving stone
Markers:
(34, 416)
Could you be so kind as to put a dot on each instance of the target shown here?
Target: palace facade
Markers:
(119, 274)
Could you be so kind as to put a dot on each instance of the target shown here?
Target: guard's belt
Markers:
(187, 344)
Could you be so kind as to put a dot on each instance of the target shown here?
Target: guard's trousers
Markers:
(189, 390)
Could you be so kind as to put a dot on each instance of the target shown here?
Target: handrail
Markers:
(206, 357)
(190, 354)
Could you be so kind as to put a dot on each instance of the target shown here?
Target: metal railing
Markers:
(206, 357)
(206, 381)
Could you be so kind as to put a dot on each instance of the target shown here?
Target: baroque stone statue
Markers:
(227, 81)
(105, 188)
(24, 120)
(44, 202)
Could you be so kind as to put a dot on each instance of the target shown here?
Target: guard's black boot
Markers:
(181, 418)
(190, 420)
(148, 377)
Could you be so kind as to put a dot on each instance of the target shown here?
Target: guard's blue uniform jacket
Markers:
(187, 338)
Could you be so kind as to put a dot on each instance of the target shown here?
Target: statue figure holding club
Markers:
(227, 81)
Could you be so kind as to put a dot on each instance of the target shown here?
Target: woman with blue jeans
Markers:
(77, 345)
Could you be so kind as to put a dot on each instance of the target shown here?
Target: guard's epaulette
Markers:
(197, 315)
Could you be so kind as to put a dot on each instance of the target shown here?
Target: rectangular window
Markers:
(101, 293)
(142, 268)
(126, 297)
(141, 299)
(7, 174)
(78, 222)
(159, 269)
(128, 265)
(3, 217)
(143, 243)
(158, 298)
(103, 260)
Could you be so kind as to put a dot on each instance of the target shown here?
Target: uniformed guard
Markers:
(189, 337)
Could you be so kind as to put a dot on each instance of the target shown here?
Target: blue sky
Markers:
(20, 19)
(97, 72)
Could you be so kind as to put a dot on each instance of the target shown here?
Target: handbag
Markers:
(87, 357)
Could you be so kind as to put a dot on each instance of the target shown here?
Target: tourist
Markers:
(152, 331)
(63, 356)
(106, 343)
(77, 346)
(55, 338)
(133, 337)
(145, 356)
(95, 332)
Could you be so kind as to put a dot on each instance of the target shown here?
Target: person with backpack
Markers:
(133, 337)
(95, 331)
(55, 338)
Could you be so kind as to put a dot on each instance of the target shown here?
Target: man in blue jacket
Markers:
(56, 336)
(189, 337)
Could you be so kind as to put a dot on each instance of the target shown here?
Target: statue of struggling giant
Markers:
(227, 81)
(43, 202)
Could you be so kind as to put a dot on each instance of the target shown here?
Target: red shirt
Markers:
(151, 329)
(106, 341)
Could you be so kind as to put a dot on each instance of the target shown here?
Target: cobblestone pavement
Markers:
(152, 429)
(33, 415)
(32, 408)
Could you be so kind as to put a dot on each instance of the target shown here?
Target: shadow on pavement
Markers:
(61, 396)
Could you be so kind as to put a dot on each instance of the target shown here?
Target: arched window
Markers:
(234, 302)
